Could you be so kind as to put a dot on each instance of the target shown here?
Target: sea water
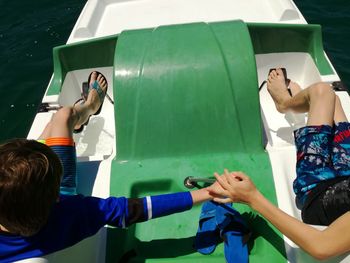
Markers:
(30, 29)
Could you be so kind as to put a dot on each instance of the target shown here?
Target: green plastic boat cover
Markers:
(274, 38)
(186, 105)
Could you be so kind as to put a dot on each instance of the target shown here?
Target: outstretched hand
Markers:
(217, 192)
(235, 186)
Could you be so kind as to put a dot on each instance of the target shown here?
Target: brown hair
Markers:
(30, 175)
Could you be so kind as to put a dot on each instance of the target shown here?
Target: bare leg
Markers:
(339, 114)
(283, 101)
(66, 118)
(318, 99)
(46, 132)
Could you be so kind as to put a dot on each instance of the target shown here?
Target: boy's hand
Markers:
(216, 191)
(236, 186)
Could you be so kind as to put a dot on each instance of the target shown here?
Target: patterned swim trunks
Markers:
(323, 170)
(314, 162)
(341, 149)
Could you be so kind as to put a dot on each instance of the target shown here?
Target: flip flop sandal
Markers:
(233, 231)
(208, 234)
(235, 249)
(85, 93)
(287, 83)
(288, 87)
(286, 80)
(86, 89)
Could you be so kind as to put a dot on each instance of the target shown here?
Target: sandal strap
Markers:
(98, 89)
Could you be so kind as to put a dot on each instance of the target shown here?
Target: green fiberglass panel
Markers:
(177, 90)
(86, 54)
(274, 38)
(186, 105)
(171, 238)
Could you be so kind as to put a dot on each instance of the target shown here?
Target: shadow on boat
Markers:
(136, 250)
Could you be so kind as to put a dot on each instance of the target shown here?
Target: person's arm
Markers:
(77, 217)
(166, 204)
(201, 195)
(320, 244)
(332, 241)
(149, 207)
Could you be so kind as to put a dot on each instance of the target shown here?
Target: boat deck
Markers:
(109, 148)
(109, 17)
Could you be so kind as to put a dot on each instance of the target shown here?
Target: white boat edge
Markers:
(95, 20)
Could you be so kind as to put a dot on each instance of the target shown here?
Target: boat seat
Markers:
(188, 105)
(186, 89)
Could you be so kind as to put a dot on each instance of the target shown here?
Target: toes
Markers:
(269, 78)
(279, 72)
(275, 74)
(99, 77)
(93, 77)
(272, 75)
(102, 81)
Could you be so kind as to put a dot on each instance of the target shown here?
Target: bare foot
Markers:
(277, 89)
(93, 100)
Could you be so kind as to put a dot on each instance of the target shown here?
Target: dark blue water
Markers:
(30, 29)
(28, 32)
(334, 17)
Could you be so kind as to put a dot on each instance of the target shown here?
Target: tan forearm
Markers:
(305, 236)
(335, 240)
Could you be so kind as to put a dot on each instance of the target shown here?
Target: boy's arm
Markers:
(201, 195)
(77, 217)
(209, 193)
(166, 204)
(320, 244)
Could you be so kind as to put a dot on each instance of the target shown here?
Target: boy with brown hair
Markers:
(41, 213)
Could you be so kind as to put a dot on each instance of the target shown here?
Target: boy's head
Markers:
(30, 175)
